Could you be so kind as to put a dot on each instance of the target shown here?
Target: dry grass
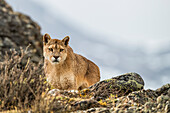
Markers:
(22, 87)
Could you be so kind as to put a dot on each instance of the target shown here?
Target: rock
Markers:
(165, 89)
(136, 101)
(17, 29)
(118, 86)
(167, 108)
(159, 106)
(91, 110)
(91, 98)
(8, 43)
(148, 106)
(1, 43)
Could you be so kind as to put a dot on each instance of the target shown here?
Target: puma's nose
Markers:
(56, 57)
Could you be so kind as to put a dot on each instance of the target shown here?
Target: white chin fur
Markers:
(55, 63)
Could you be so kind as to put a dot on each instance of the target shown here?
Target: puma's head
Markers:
(55, 50)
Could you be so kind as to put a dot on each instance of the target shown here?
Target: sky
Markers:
(133, 21)
(125, 18)
(140, 27)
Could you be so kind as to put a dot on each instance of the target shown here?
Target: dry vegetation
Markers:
(22, 86)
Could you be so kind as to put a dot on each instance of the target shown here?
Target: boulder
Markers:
(123, 93)
(118, 86)
(99, 94)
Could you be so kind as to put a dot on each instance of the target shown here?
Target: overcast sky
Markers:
(132, 20)
(142, 18)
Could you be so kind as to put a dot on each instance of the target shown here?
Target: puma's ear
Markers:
(66, 40)
(46, 38)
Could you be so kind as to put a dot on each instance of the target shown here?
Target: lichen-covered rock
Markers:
(127, 95)
(18, 30)
(101, 94)
(120, 85)
(142, 101)
(165, 89)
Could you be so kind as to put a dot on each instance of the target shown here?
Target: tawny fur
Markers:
(71, 71)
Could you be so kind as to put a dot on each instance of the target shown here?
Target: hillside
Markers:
(23, 86)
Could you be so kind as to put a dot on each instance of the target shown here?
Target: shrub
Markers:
(22, 86)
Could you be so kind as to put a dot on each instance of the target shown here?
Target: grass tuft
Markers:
(22, 86)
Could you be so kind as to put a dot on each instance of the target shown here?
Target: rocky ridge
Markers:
(119, 94)
(18, 30)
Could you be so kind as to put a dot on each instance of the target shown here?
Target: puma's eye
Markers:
(50, 49)
(61, 50)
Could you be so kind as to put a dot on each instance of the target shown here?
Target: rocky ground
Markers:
(120, 94)
(25, 88)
